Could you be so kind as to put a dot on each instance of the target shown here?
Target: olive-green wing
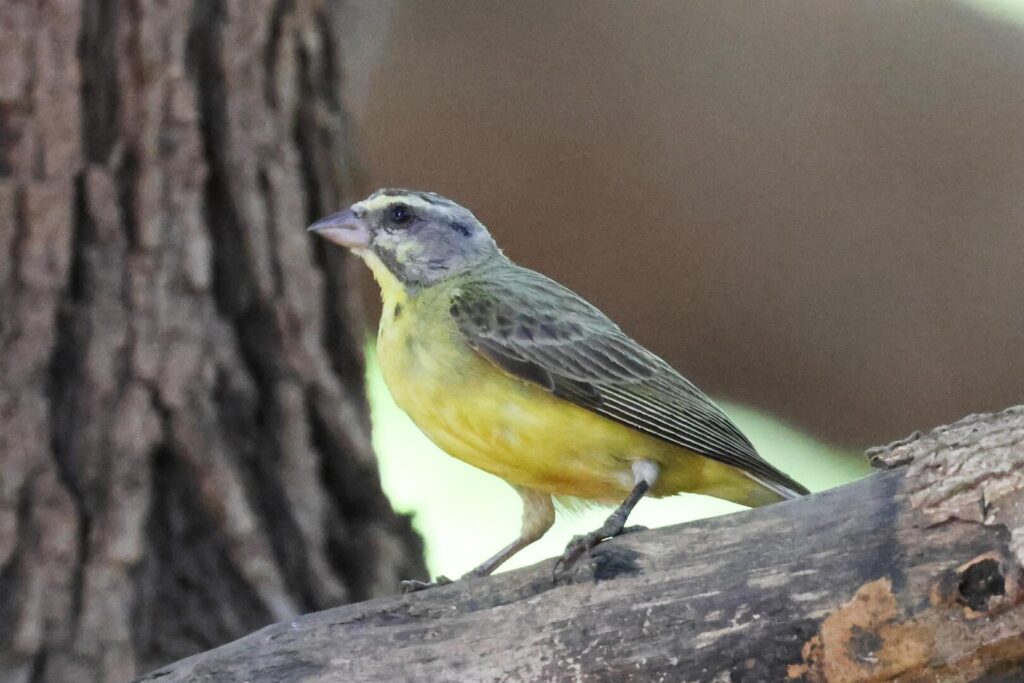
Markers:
(538, 330)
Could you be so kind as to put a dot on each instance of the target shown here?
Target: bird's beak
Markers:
(344, 228)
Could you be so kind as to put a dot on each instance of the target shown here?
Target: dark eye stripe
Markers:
(460, 228)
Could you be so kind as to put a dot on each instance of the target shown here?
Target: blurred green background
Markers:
(465, 514)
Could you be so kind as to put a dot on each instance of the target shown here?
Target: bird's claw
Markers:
(577, 546)
(584, 544)
(412, 585)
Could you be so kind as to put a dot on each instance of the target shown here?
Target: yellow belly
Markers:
(516, 430)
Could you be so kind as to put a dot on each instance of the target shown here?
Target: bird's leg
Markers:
(645, 474)
(538, 516)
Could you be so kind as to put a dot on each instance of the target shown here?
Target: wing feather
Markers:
(536, 329)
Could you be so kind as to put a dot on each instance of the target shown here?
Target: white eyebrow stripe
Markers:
(374, 203)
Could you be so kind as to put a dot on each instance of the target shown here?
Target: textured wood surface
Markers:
(184, 441)
(910, 574)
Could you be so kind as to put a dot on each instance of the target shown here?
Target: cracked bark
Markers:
(184, 441)
(911, 574)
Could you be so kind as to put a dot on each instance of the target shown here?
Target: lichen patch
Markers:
(866, 639)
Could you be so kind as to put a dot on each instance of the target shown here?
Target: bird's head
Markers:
(419, 237)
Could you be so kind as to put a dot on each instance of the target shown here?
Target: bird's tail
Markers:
(785, 491)
(752, 489)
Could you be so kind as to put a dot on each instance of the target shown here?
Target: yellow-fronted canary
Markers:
(510, 371)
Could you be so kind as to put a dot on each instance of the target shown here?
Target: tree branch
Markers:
(913, 572)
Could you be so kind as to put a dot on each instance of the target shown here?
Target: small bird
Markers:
(515, 374)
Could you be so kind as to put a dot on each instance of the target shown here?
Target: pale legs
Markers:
(538, 516)
(645, 474)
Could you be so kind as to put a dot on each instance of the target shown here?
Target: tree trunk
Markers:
(184, 440)
(911, 575)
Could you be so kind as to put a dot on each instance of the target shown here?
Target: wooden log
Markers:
(910, 574)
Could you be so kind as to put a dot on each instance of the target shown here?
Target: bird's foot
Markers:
(577, 546)
(587, 542)
(413, 586)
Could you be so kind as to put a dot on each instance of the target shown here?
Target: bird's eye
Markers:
(399, 213)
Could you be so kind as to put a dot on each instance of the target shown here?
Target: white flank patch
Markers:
(645, 470)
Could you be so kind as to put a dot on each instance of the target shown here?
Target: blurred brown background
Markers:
(812, 208)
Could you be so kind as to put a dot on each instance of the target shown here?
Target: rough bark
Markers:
(911, 574)
(184, 442)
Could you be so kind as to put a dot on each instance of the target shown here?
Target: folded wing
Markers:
(541, 332)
